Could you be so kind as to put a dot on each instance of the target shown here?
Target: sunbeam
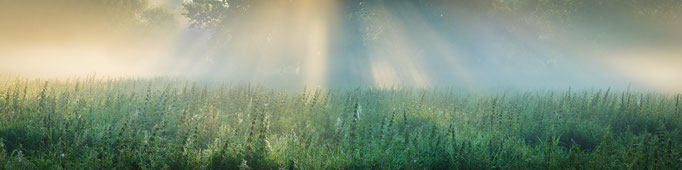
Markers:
(332, 43)
(340, 84)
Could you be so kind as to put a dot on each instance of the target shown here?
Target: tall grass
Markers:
(170, 124)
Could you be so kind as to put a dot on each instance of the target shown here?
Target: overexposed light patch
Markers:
(314, 17)
(659, 68)
(283, 42)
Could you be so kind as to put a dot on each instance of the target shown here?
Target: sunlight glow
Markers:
(658, 69)
(333, 43)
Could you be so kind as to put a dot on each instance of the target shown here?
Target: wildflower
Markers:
(359, 111)
(244, 165)
(338, 122)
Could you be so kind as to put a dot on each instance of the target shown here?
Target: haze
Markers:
(350, 43)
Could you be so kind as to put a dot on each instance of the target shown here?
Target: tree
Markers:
(206, 13)
(215, 14)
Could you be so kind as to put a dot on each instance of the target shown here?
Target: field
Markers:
(175, 124)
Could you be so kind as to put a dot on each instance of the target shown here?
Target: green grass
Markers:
(169, 124)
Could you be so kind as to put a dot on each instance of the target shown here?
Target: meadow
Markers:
(157, 123)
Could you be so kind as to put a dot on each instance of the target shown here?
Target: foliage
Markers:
(214, 14)
(170, 124)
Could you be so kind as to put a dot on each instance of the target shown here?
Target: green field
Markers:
(177, 124)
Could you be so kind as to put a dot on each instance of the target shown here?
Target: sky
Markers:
(334, 43)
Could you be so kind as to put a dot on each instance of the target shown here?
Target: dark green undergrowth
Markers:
(167, 124)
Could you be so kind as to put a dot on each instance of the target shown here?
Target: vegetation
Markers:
(171, 124)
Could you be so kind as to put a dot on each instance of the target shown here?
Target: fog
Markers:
(367, 43)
